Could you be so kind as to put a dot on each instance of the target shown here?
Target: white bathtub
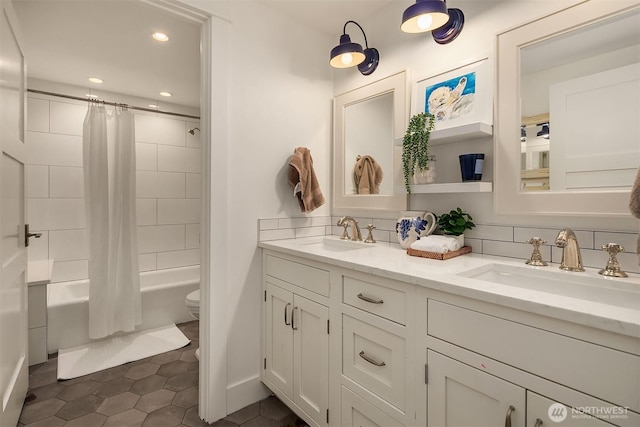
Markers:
(163, 303)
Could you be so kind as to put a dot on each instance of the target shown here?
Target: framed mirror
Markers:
(573, 145)
(366, 161)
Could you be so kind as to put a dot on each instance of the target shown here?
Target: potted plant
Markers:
(415, 146)
(455, 223)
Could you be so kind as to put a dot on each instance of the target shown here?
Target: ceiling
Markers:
(68, 41)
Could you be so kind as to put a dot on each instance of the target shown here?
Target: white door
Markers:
(279, 339)
(461, 396)
(311, 358)
(13, 253)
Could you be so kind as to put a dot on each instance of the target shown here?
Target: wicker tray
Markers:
(434, 255)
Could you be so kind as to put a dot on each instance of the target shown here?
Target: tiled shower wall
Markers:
(168, 188)
(498, 240)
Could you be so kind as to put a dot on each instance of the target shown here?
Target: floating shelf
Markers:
(450, 187)
(458, 133)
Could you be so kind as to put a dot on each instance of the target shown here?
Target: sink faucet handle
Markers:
(536, 256)
(370, 238)
(612, 268)
(345, 231)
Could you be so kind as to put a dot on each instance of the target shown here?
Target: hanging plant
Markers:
(415, 145)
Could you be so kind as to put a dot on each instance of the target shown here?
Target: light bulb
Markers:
(346, 58)
(424, 22)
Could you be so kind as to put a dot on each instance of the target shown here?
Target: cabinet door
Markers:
(542, 411)
(459, 395)
(311, 358)
(279, 338)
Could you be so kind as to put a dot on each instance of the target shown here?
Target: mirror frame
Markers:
(508, 198)
(396, 84)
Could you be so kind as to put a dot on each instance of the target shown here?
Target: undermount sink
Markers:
(616, 292)
(334, 243)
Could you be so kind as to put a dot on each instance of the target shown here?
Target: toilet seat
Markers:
(193, 299)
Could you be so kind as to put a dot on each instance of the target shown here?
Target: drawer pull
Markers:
(538, 423)
(293, 317)
(507, 421)
(371, 300)
(285, 314)
(370, 360)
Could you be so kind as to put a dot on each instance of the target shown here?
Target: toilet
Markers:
(193, 304)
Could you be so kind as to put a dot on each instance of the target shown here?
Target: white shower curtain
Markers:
(110, 200)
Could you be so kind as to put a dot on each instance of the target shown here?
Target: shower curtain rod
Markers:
(132, 107)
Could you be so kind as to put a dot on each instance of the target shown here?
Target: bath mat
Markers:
(96, 356)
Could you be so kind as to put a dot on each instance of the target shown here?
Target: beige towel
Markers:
(367, 175)
(634, 206)
(303, 179)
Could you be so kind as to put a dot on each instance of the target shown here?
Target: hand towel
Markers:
(634, 206)
(437, 244)
(302, 177)
(367, 175)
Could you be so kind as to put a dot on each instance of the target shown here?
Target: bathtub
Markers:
(163, 303)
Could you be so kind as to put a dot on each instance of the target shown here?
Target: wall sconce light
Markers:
(432, 15)
(544, 132)
(348, 54)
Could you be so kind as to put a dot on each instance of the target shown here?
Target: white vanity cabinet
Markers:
(296, 336)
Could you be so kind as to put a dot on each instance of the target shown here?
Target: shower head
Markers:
(192, 131)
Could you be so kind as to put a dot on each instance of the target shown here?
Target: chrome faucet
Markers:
(347, 220)
(571, 258)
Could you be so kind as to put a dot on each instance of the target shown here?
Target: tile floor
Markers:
(157, 391)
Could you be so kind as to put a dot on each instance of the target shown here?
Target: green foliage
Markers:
(415, 145)
(455, 222)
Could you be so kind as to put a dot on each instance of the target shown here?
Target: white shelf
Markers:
(451, 187)
(458, 133)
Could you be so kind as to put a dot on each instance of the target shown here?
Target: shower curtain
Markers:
(109, 163)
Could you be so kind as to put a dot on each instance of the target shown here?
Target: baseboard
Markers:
(245, 393)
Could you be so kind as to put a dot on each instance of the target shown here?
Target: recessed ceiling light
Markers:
(89, 95)
(166, 93)
(95, 80)
(161, 37)
(153, 106)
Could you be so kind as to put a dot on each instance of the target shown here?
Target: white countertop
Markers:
(385, 260)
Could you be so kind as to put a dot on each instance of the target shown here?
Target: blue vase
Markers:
(413, 225)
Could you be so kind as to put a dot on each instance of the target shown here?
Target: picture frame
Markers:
(457, 97)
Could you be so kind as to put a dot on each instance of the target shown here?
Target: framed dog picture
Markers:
(457, 97)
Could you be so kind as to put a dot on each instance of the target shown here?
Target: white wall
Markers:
(168, 186)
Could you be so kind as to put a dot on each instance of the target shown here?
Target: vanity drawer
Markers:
(358, 412)
(307, 277)
(375, 359)
(376, 299)
(608, 374)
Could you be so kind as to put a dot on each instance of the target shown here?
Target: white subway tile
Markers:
(38, 114)
(192, 239)
(70, 270)
(161, 238)
(56, 214)
(194, 185)
(38, 249)
(66, 182)
(147, 262)
(627, 240)
(146, 184)
(178, 159)
(160, 130)
(522, 234)
(294, 222)
(37, 180)
(385, 224)
(178, 258)
(317, 221)
(67, 119)
(195, 139)
(146, 211)
(146, 157)
(476, 245)
(492, 232)
(382, 236)
(280, 234)
(67, 245)
(178, 211)
(170, 185)
(268, 224)
(309, 232)
(53, 149)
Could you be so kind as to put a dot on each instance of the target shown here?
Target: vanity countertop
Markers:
(390, 261)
